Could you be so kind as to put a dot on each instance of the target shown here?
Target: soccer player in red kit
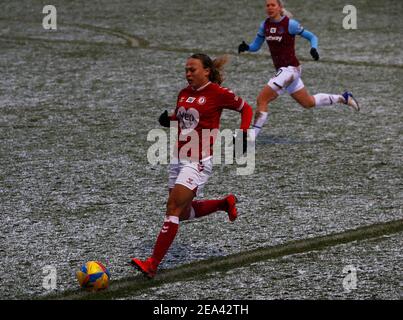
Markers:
(279, 31)
(199, 107)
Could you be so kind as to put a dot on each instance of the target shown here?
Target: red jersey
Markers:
(201, 109)
(281, 43)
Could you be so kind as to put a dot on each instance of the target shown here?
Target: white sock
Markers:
(192, 214)
(324, 99)
(259, 122)
(172, 219)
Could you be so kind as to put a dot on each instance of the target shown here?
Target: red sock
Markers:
(205, 207)
(165, 238)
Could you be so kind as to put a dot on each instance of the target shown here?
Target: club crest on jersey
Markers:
(201, 100)
(300, 29)
(273, 30)
(191, 99)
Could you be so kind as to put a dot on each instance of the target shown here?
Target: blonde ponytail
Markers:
(287, 13)
(284, 11)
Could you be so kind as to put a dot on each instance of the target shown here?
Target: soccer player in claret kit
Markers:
(199, 107)
(279, 31)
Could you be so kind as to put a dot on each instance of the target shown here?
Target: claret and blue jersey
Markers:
(280, 37)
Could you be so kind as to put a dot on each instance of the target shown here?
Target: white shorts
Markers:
(286, 79)
(192, 175)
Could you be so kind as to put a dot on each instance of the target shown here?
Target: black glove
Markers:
(314, 54)
(164, 119)
(244, 136)
(243, 47)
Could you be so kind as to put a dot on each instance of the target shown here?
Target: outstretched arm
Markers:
(256, 44)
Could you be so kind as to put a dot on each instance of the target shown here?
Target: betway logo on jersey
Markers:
(274, 38)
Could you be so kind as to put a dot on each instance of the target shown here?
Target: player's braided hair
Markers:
(216, 66)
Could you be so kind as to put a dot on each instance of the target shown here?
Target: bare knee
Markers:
(264, 98)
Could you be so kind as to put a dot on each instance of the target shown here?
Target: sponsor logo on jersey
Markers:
(188, 119)
(182, 99)
(191, 99)
(201, 100)
(272, 38)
